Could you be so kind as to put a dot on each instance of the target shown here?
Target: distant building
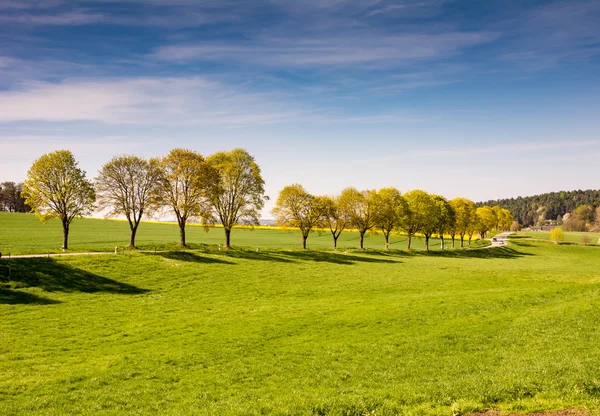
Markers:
(543, 228)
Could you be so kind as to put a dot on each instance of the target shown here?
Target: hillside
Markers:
(301, 332)
(549, 206)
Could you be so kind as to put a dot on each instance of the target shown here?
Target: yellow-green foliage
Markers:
(557, 235)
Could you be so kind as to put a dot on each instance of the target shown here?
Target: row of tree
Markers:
(226, 187)
(386, 210)
(546, 208)
(11, 199)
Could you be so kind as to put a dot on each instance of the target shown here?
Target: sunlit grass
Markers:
(302, 332)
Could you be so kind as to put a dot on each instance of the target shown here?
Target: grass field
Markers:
(570, 236)
(288, 331)
(24, 234)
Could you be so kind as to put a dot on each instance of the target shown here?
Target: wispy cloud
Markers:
(165, 101)
(549, 35)
(171, 102)
(370, 48)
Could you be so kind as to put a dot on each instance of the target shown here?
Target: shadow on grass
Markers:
(337, 258)
(51, 276)
(17, 297)
(482, 253)
(189, 257)
(292, 256)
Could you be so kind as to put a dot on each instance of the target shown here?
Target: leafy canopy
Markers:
(57, 188)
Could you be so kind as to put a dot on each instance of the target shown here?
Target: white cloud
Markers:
(152, 101)
(168, 102)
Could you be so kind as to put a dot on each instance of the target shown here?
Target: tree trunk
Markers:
(462, 241)
(335, 241)
(304, 238)
(227, 238)
(65, 245)
(426, 242)
(132, 236)
(409, 238)
(443, 246)
(362, 239)
(182, 233)
(387, 240)
(452, 241)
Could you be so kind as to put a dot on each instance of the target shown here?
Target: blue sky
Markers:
(479, 99)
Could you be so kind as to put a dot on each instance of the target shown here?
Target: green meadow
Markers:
(287, 331)
(570, 236)
(24, 234)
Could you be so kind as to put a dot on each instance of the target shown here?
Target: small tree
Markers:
(392, 207)
(464, 211)
(128, 185)
(186, 182)
(363, 210)
(557, 235)
(240, 195)
(57, 188)
(335, 217)
(446, 219)
(515, 226)
(297, 208)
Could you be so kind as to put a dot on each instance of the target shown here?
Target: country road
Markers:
(499, 240)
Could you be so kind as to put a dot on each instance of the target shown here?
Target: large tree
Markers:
(363, 210)
(295, 207)
(335, 216)
(128, 185)
(419, 205)
(240, 194)
(185, 184)
(446, 218)
(392, 207)
(57, 188)
(464, 212)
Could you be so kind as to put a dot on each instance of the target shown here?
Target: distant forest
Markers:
(545, 208)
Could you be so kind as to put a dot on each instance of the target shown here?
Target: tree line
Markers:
(11, 199)
(548, 207)
(226, 187)
(386, 211)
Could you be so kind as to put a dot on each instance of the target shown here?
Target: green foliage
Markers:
(57, 188)
(240, 195)
(302, 332)
(363, 208)
(392, 208)
(185, 185)
(526, 210)
(297, 208)
(420, 215)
